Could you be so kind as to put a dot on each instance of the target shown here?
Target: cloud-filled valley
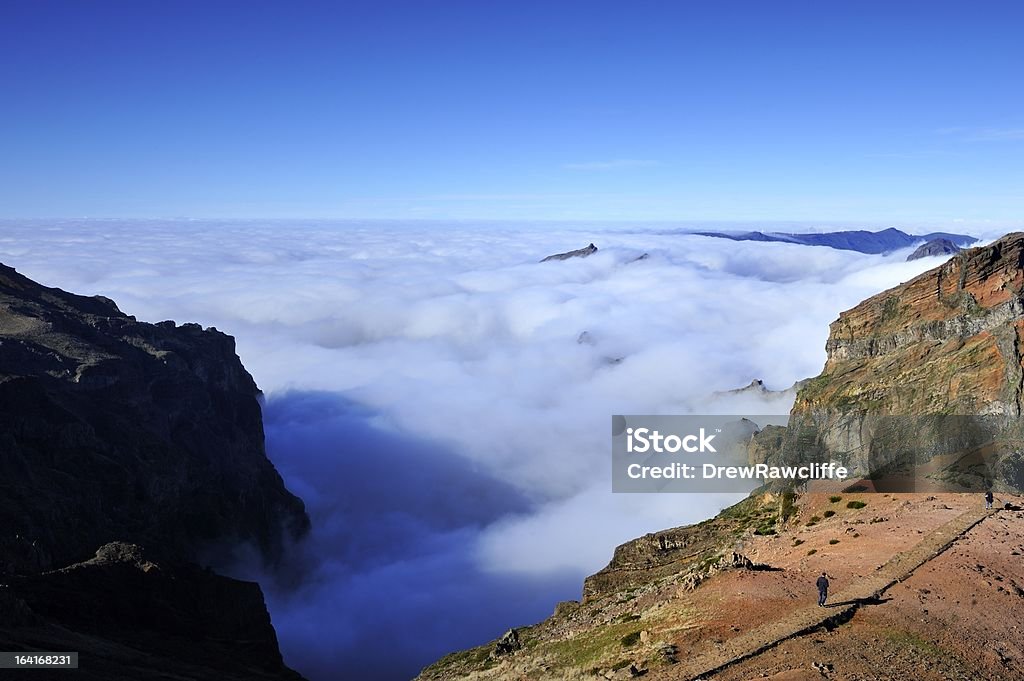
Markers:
(441, 400)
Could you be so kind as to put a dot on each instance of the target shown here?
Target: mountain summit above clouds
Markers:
(933, 248)
(925, 585)
(589, 249)
(862, 241)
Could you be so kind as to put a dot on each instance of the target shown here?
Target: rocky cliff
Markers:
(946, 341)
(930, 367)
(115, 430)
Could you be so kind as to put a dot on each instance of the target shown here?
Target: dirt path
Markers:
(842, 604)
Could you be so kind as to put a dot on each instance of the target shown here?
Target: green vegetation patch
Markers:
(595, 647)
(829, 513)
(833, 542)
(918, 644)
(787, 507)
(630, 639)
(835, 499)
(463, 660)
(891, 309)
(856, 504)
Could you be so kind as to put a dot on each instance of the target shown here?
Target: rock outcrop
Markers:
(113, 429)
(933, 248)
(579, 253)
(131, 617)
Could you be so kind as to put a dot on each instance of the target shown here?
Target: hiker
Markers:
(988, 499)
(822, 584)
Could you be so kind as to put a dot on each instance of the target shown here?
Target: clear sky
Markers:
(871, 111)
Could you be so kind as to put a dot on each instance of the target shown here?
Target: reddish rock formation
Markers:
(946, 341)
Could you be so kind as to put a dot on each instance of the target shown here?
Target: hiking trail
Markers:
(842, 603)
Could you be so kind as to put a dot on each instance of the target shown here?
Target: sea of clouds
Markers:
(429, 395)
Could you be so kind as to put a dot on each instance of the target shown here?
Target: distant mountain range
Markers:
(858, 240)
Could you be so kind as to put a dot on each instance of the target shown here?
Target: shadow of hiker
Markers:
(870, 600)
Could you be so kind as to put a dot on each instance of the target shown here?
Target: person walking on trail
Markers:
(822, 585)
(988, 499)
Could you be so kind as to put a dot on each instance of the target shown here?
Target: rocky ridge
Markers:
(590, 249)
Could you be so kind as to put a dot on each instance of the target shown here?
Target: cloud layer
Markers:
(441, 400)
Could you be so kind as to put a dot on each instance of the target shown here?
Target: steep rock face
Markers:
(946, 341)
(944, 345)
(117, 430)
(113, 430)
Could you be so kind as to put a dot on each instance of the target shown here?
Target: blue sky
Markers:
(879, 112)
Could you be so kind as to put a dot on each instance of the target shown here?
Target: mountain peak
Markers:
(589, 249)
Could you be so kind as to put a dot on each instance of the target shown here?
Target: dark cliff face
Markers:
(144, 441)
(117, 430)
